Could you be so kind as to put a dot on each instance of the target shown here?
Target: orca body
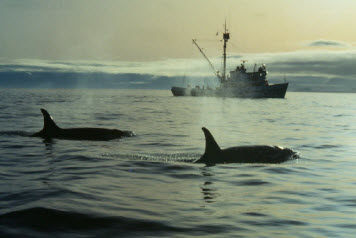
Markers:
(242, 154)
(51, 130)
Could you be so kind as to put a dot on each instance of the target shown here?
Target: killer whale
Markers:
(51, 130)
(242, 154)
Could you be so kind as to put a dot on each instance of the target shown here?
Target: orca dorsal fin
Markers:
(48, 124)
(211, 147)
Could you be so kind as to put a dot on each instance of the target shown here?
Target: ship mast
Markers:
(226, 37)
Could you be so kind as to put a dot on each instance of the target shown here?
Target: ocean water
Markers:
(148, 186)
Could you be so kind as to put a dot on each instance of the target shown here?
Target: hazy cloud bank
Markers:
(327, 43)
(305, 70)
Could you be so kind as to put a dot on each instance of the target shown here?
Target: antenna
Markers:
(226, 37)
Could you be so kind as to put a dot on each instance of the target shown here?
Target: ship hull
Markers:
(265, 91)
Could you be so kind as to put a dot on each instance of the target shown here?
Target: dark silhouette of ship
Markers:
(239, 83)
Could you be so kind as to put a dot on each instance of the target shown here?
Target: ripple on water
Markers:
(323, 146)
(279, 170)
(250, 182)
(254, 214)
(274, 222)
(182, 157)
(41, 219)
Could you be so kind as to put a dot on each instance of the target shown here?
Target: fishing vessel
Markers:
(239, 83)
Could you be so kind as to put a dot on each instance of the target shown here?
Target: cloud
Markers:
(298, 63)
(305, 63)
(327, 43)
(307, 70)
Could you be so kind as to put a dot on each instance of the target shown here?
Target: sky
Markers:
(299, 38)
(146, 30)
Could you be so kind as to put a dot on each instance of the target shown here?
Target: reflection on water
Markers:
(208, 189)
(210, 193)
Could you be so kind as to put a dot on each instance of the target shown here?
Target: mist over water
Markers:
(148, 185)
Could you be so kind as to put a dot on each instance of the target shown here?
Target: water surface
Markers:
(147, 185)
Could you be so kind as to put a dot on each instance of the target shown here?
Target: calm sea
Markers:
(148, 185)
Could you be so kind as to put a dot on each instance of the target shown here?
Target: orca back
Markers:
(242, 154)
(51, 130)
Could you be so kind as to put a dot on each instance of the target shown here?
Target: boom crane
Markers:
(216, 72)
